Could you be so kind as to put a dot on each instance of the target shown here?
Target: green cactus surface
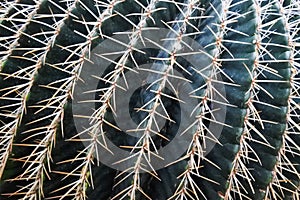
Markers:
(150, 99)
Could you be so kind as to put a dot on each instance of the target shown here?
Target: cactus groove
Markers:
(251, 72)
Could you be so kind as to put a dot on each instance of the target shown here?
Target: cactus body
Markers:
(239, 65)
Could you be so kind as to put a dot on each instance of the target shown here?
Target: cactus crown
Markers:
(221, 90)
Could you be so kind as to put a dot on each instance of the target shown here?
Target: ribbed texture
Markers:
(253, 53)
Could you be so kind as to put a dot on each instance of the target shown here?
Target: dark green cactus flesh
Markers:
(240, 59)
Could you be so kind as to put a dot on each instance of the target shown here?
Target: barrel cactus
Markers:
(150, 99)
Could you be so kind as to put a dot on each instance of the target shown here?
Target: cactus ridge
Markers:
(251, 70)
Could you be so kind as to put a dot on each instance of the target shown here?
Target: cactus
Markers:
(240, 59)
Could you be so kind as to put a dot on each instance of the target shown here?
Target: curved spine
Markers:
(24, 89)
(218, 164)
(9, 130)
(142, 146)
(272, 68)
(285, 180)
(79, 186)
(187, 186)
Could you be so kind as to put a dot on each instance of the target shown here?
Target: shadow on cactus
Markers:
(153, 99)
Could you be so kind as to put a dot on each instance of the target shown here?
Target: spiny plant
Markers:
(251, 69)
